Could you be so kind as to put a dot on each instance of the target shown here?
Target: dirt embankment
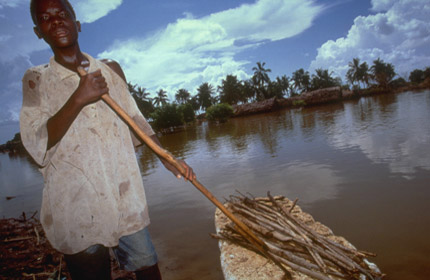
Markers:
(321, 96)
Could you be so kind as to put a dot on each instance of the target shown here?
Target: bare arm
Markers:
(189, 171)
(90, 89)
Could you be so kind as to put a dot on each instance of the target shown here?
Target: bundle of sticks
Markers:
(293, 243)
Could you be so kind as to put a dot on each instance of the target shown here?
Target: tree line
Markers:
(165, 113)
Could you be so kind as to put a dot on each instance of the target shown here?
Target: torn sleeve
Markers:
(33, 119)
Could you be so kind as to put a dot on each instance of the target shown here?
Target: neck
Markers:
(70, 57)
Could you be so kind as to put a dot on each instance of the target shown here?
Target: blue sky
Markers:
(174, 44)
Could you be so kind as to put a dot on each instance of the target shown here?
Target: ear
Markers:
(78, 24)
(37, 32)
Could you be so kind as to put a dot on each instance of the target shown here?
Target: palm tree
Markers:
(131, 87)
(143, 102)
(142, 94)
(357, 72)
(353, 73)
(161, 98)
(194, 101)
(364, 73)
(302, 80)
(323, 79)
(261, 78)
(182, 96)
(230, 90)
(383, 73)
(284, 85)
(247, 91)
(204, 95)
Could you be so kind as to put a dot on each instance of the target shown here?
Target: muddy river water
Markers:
(361, 167)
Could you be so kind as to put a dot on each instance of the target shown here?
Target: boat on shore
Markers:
(240, 263)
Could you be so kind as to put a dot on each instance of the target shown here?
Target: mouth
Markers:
(61, 32)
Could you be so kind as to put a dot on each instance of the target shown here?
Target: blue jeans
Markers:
(134, 252)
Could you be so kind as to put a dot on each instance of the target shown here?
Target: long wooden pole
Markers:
(244, 230)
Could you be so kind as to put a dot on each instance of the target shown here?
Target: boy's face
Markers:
(56, 23)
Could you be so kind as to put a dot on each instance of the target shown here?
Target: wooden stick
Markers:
(37, 235)
(294, 204)
(283, 232)
(244, 230)
(17, 239)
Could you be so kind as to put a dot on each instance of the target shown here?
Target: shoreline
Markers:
(313, 98)
(25, 253)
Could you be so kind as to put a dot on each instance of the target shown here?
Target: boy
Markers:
(93, 197)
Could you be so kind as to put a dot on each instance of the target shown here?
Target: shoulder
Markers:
(36, 71)
(33, 77)
(115, 67)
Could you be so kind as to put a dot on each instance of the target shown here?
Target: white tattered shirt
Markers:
(93, 190)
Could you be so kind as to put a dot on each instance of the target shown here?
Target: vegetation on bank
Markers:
(219, 112)
(14, 145)
(361, 79)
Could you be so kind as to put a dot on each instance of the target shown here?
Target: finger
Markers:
(104, 90)
(189, 173)
(98, 72)
(101, 82)
(185, 170)
(81, 71)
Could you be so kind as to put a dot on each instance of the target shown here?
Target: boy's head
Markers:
(55, 22)
(33, 9)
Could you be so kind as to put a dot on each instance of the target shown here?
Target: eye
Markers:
(43, 17)
(63, 14)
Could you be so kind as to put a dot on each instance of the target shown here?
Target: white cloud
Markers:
(191, 51)
(88, 11)
(18, 42)
(11, 3)
(398, 34)
(382, 5)
(16, 33)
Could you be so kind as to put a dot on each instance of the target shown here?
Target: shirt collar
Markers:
(63, 72)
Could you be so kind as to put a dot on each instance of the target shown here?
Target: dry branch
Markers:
(293, 243)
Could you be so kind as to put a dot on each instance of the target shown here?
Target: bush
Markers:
(169, 115)
(188, 112)
(299, 102)
(399, 82)
(220, 112)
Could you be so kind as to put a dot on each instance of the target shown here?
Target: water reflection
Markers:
(21, 181)
(305, 186)
(388, 129)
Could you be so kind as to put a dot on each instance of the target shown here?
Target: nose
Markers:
(57, 21)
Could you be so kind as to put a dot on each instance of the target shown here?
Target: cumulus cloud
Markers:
(89, 11)
(18, 42)
(16, 32)
(399, 33)
(195, 50)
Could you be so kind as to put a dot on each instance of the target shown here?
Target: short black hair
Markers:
(33, 8)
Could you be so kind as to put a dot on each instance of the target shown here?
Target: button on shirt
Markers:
(93, 190)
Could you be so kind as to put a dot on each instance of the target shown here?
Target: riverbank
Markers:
(25, 253)
(313, 98)
(319, 97)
